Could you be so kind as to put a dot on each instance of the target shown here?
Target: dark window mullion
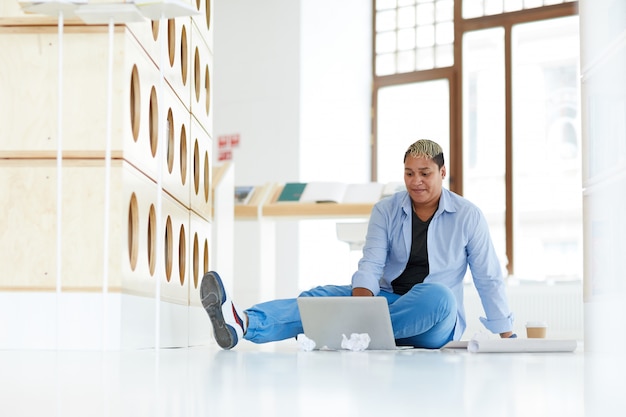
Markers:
(508, 137)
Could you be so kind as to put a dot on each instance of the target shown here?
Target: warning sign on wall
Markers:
(225, 145)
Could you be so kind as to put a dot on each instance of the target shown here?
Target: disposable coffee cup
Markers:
(536, 329)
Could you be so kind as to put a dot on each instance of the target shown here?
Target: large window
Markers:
(508, 115)
(417, 35)
(484, 144)
(547, 178)
(478, 8)
(413, 35)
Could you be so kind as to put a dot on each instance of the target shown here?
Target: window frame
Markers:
(454, 75)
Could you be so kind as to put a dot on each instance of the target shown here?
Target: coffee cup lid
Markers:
(536, 324)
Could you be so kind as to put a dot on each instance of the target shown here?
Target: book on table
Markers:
(338, 192)
(291, 193)
(243, 194)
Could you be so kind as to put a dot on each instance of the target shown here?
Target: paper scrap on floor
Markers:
(518, 345)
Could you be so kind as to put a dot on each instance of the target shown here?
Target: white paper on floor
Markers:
(356, 343)
(304, 343)
(521, 345)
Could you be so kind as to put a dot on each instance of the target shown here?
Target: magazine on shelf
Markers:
(243, 194)
(369, 192)
(291, 193)
(338, 192)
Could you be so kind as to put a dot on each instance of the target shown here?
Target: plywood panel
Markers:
(29, 225)
(202, 79)
(141, 104)
(177, 155)
(29, 81)
(200, 244)
(201, 170)
(154, 249)
(168, 43)
(204, 21)
(149, 34)
(141, 251)
(177, 67)
(29, 230)
(174, 277)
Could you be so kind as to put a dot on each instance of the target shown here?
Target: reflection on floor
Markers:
(278, 380)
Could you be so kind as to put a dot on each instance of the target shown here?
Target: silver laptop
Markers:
(326, 319)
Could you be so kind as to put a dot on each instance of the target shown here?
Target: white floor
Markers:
(278, 380)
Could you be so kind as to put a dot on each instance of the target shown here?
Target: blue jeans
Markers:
(424, 317)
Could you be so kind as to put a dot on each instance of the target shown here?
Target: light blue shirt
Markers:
(458, 237)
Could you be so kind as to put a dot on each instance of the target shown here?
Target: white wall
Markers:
(335, 129)
(603, 62)
(256, 95)
(293, 78)
(335, 90)
(256, 86)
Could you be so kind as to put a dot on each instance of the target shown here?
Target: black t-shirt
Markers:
(417, 266)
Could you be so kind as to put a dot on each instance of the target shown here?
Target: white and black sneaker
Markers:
(228, 323)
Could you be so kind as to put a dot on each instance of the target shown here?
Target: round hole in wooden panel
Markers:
(169, 249)
(207, 14)
(196, 74)
(182, 254)
(196, 260)
(154, 122)
(206, 256)
(169, 134)
(155, 29)
(207, 89)
(196, 167)
(135, 102)
(133, 231)
(207, 176)
(183, 55)
(152, 239)
(183, 154)
(171, 40)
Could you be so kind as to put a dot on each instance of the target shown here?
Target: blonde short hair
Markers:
(425, 148)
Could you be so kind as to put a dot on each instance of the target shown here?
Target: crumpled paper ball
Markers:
(357, 342)
(304, 343)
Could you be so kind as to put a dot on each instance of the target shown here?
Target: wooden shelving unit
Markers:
(251, 210)
(263, 205)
